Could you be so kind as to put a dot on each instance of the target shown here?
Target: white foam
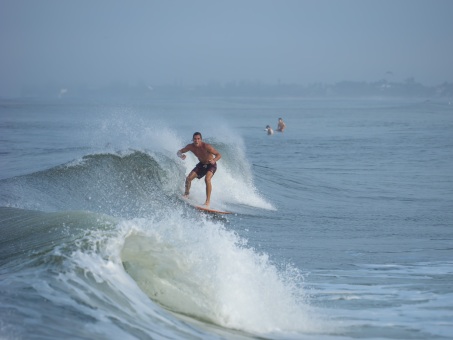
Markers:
(198, 268)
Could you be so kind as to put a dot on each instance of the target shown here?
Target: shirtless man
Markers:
(208, 156)
(281, 125)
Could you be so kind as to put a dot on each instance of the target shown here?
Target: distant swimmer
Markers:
(269, 130)
(281, 125)
(208, 156)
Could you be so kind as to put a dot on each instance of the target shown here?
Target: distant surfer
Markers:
(208, 156)
(281, 125)
(269, 130)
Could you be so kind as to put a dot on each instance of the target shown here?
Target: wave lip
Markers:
(200, 269)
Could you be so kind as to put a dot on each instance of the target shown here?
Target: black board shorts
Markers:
(202, 169)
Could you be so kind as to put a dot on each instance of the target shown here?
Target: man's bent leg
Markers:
(189, 180)
(208, 177)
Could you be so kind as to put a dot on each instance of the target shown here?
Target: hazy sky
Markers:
(95, 42)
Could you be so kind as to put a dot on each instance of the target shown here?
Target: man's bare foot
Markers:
(185, 196)
(206, 204)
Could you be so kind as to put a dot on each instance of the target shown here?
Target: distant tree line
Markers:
(382, 88)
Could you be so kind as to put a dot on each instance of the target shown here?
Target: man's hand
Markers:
(181, 155)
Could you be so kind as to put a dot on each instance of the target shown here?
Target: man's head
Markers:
(197, 138)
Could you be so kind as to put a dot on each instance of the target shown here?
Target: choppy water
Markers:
(342, 226)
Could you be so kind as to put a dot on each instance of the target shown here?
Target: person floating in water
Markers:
(281, 125)
(269, 130)
(208, 156)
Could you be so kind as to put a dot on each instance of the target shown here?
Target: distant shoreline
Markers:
(351, 89)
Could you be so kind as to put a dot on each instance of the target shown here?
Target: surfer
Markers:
(281, 125)
(208, 156)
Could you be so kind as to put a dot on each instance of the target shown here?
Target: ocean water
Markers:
(342, 226)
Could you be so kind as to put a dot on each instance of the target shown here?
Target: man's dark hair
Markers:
(197, 134)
